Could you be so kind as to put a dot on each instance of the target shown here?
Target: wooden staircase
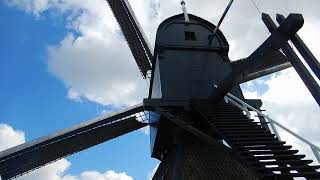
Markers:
(256, 145)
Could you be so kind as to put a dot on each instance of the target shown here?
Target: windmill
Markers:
(194, 105)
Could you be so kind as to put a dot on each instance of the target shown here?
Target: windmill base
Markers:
(191, 160)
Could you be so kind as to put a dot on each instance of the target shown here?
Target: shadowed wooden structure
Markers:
(196, 131)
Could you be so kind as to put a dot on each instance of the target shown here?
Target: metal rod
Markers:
(303, 72)
(247, 111)
(304, 50)
(275, 122)
(263, 121)
(316, 153)
(243, 108)
(274, 129)
(220, 21)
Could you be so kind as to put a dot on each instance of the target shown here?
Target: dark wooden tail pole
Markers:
(304, 50)
(303, 72)
(275, 41)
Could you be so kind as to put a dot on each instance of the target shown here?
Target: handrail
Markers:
(233, 99)
(245, 109)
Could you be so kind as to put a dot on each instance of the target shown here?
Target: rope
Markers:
(256, 6)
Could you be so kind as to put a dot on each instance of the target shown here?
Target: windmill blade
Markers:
(29, 156)
(133, 33)
(269, 64)
(265, 72)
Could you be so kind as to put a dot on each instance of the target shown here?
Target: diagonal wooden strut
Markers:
(275, 41)
(304, 50)
(303, 72)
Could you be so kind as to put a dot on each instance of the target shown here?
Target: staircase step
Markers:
(229, 120)
(212, 108)
(249, 125)
(273, 147)
(244, 122)
(226, 111)
(308, 175)
(258, 143)
(261, 152)
(245, 131)
(254, 131)
(292, 168)
(270, 157)
(243, 135)
(281, 162)
(223, 111)
(226, 114)
(250, 139)
(242, 129)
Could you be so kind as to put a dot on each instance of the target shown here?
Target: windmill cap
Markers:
(182, 2)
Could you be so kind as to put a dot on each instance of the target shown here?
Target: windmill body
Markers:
(190, 76)
(185, 70)
(185, 66)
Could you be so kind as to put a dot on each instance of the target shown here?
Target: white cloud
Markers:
(57, 170)
(109, 175)
(97, 64)
(98, 69)
(10, 137)
(74, 95)
(54, 171)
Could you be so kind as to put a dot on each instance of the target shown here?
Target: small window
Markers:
(190, 36)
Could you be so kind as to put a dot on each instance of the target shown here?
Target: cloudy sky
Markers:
(65, 61)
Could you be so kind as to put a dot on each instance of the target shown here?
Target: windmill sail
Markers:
(29, 156)
(269, 64)
(133, 33)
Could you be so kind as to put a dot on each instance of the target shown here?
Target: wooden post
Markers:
(304, 50)
(303, 72)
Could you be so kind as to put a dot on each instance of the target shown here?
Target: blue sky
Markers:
(63, 62)
(36, 102)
